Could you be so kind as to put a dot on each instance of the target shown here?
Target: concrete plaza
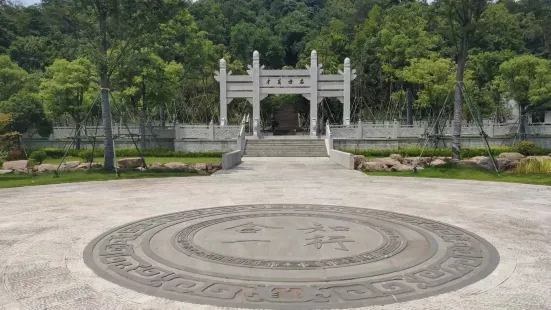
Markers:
(44, 230)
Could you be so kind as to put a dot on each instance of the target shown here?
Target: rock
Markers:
(358, 160)
(131, 163)
(371, 166)
(86, 166)
(417, 161)
(388, 162)
(511, 156)
(179, 167)
(479, 159)
(397, 157)
(212, 168)
(470, 163)
(48, 168)
(5, 171)
(156, 165)
(401, 167)
(200, 168)
(536, 158)
(141, 169)
(16, 165)
(72, 165)
(437, 163)
(506, 164)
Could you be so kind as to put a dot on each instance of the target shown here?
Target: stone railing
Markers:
(118, 131)
(396, 130)
(207, 132)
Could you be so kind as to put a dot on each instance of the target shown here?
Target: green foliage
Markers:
(38, 156)
(526, 148)
(536, 166)
(526, 79)
(88, 155)
(429, 152)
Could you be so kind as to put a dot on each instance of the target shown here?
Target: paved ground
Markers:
(44, 230)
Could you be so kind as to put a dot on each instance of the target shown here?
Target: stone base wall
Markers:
(205, 145)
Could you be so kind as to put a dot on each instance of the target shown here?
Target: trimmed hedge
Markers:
(431, 152)
(58, 153)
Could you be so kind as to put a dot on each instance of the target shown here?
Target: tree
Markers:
(68, 89)
(116, 27)
(332, 45)
(247, 37)
(19, 99)
(498, 30)
(463, 17)
(527, 80)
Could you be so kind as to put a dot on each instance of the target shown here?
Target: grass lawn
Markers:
(17, 180)
(148, 160)
(467, 173)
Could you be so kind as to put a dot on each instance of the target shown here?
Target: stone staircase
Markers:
(285, 148)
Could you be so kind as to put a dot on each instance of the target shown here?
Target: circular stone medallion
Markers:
(290, 257)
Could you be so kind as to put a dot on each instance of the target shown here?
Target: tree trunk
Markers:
(458, 100)
(109, 154)
(522, 121)
(409, 107)
(162, 115)
(77, 135)
(142, 118)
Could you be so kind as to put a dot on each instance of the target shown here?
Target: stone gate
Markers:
(260, 82)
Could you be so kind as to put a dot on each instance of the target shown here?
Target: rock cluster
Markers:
(182, 167)
(505, 162)
(23, 166)
(398, 163)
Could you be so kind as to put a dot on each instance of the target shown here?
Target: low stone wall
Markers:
(343, 159)
(231, 159)
(205, 145)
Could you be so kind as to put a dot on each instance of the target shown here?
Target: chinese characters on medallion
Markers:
(317, 240)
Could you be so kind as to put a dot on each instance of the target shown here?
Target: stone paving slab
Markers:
(45, 229)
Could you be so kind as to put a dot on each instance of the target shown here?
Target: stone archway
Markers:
(260, 82)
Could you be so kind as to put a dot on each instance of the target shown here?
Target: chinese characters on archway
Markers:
(316, 235)
(274, 82)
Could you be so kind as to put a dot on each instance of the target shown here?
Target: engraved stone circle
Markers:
(290, 257)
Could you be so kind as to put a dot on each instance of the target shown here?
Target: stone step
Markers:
(272, 154)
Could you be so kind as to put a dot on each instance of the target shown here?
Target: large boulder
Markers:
(16, 165)
(179, 167)
(5, 171)
(212, 168)
(358, 160)
(511, 156)
(72, 165)
(506, 164)
(131, 163)
(48, 168)
(371, 166)
(200, 168)
(86, 166)
(437, 162)
(388, 162)
(401, 167)
(397, 157)
(417, 161)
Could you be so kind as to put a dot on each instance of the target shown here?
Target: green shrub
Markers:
(526, 148)
(87, 155)
(534, 166)
(38, 156)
